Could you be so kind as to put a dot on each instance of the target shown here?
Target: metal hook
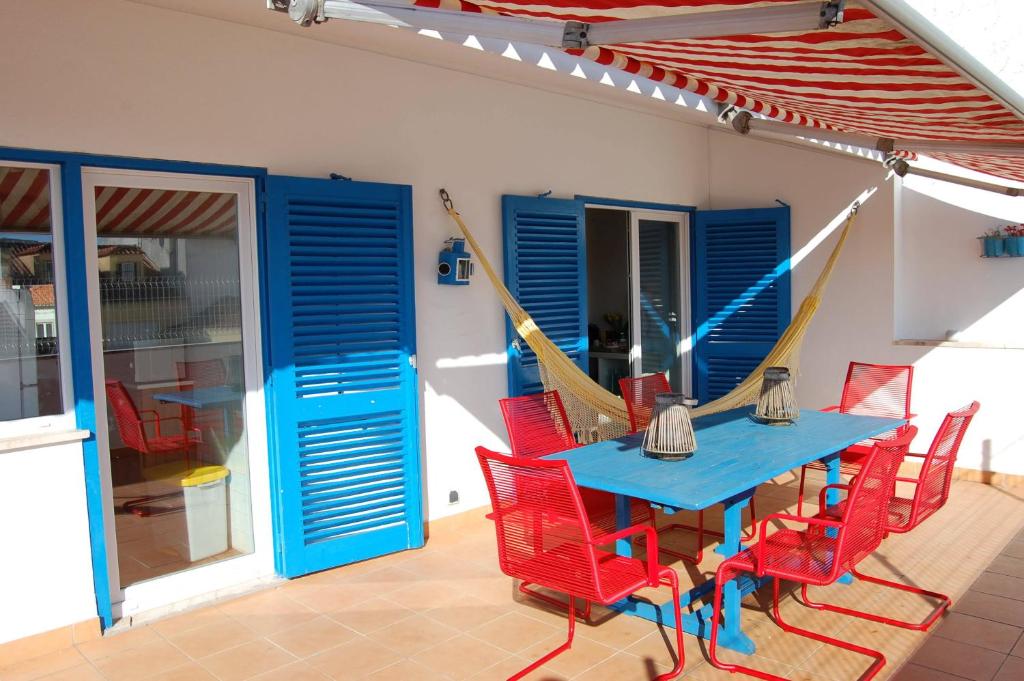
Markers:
(339, 176)
(446, 200)
(543, 195)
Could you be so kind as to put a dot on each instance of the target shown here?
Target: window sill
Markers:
(936, 343)
(41, 439)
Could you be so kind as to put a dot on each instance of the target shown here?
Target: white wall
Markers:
(119, 78)
(856, 320)
(46, 568)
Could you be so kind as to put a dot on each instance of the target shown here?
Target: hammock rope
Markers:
(597, 414)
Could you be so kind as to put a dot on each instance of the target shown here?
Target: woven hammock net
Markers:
(595, 413)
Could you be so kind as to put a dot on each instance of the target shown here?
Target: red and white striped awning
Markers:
(120, 211)
(862, 76)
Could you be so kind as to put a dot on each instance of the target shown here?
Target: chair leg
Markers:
(673, 581)
(524, 588)
(923, 625)
(720, 577)
(557, 651)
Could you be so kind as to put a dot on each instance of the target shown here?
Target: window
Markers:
(30, 357)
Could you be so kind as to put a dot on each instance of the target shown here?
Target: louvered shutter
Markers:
(343, 397)
(741, 293)
(546, 271)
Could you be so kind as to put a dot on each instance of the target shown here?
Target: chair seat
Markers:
(167, 443)
(851, 459)
(792, 554)
(899, 511)
(601, 510)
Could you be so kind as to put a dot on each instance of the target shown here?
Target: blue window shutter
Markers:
(344, 443)
(742, 294)
(546, 271)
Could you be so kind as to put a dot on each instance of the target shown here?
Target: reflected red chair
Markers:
(825, 550)
(537, 425)
(545, 537)
(869, 390)
(931, 491)
(131, 428)
(639, 396)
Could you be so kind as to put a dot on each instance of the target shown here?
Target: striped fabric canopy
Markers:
(862, 76)
(120, 211)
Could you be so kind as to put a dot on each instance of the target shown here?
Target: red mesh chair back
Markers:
(541, 524)
(937, 470)
(203, 373)
(537, 425)
(639, 396)
(126, 415)
(867, 505)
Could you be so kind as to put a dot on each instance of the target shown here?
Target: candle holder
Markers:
(776, 404)
(669, 435)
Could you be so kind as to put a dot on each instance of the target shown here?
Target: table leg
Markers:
(833, 477)
(623, 517)
(698, 622)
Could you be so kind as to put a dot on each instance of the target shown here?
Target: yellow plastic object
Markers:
(596, 413)
(203, 475)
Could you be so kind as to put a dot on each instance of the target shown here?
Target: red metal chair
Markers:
(931, 491)
(131, 428)
(820, 554)
(639, 396)
(545, 537)
(869, 390)
(537, 425)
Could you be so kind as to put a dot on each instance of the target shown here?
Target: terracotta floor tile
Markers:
(1005, 565)
(246, 661)
(113, 643)
(990, 607)
(404, 671)
(979, 632)
(312, 637)
(38, 667)
(142, 662)
(369, 616)
(1014, 549)
(915, 672)
(296, 671)
(268, 612)
(327, 598)
(514, 632)
(412, 635)
(958, 658)
(82, 672)
(354, 660)
(460, 657)
(506, 668)
(467, 614)
(212, 638)
(185, 621)
(1000, 585)
(189, 672)
(623, 666)
(583, 655)
(1018, 649)
(1012, 670)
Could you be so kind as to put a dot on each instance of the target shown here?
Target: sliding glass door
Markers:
(176, 373)
(659, 283)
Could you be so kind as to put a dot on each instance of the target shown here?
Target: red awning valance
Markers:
(863, 76)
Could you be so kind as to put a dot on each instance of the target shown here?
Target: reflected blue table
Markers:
(222, 396)
(734, 455)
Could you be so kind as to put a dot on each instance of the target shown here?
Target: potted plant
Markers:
(1014, 241)
(993, 243)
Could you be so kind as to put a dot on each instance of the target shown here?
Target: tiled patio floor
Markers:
(446, 612)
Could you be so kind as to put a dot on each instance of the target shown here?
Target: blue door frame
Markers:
(71, 165)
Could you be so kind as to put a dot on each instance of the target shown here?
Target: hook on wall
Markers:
(339, 176)
(543, 195)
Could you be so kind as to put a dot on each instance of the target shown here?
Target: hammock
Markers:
(595, 413)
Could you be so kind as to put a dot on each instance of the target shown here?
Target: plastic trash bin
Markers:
(206, 511)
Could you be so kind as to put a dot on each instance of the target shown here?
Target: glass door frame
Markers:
(194, 583)
(684, 347)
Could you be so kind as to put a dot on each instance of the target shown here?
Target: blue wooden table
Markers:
(222, 396)
(734, 455)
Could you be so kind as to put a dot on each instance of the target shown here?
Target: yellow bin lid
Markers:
(203, 475)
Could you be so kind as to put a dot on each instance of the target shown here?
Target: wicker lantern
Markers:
(777, 403)
(669, 435)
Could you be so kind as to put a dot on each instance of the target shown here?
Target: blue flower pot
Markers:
(1014, 246)
(993, 246)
